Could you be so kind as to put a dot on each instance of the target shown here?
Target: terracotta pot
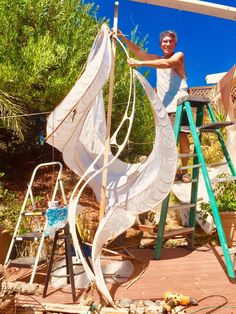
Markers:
(5, 240)
(229, 224)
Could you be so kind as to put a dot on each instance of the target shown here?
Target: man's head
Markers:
(169, 33)
(168, 41)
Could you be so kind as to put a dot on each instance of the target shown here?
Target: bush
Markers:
(225, 194)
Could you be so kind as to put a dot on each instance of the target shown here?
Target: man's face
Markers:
(167, 45)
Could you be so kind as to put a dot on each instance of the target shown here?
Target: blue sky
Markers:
(209, 43)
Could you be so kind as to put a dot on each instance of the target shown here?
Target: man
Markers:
(171, 82)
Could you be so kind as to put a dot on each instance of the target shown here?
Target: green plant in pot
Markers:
(225, 194)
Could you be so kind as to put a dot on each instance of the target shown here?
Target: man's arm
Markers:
(136, 49)
(175, 62)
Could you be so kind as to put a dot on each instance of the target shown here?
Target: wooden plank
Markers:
(197, 6)
(214, 78)
(109, 111)
(199, 273)
(178, 232)
(146, 228)
(67, 309)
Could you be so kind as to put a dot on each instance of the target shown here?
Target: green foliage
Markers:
(3, 191)
(9, 208)
(10, 107)
(225, 194)
(210, 144)
(44, 45)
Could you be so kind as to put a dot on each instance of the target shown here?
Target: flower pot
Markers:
(5, 240)
(229, 224)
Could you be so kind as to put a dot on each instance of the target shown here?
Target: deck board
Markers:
(200, 273)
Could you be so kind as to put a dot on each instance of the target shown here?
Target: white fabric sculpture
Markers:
(77, 128)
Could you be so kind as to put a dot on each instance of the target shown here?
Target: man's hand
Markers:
(133, 62)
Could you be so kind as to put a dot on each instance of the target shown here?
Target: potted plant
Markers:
(225, 194)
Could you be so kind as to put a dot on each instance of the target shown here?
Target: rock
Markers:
(158, 302)
(144, 243)
(178, 309)
(140, 306)
(126, 303)
(140, 303)
(148, 303)
(140, 310)
(133, 308)
(154, 309)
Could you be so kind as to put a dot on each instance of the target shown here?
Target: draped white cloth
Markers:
(77, 128)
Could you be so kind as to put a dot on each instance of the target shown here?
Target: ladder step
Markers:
(179, 181)
(178, 232)
(32, 236)
(187, 155)
(212, 127)
(195, 100)
(182, 206)
(190, 167)
(217, 164)
(229, 178)
(25, 262)
(185, 129)
(35, 213)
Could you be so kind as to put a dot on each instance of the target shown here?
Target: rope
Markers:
(26, 115)
(214, 307)
(140, 143)
(48, 112)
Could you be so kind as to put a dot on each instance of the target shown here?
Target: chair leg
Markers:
(49, 270)
(70, 264)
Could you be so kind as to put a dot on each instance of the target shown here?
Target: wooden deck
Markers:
(200, 273)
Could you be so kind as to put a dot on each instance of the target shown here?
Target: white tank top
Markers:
(170, 87)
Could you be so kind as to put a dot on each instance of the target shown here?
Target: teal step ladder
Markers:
(196, 128)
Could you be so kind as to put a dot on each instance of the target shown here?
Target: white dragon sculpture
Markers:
(77, 128)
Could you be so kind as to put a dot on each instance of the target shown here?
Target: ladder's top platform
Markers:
(195, 100)
(211, 127)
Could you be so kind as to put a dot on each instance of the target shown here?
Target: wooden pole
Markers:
(109, 111)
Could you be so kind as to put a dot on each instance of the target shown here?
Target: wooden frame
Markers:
(197, 6)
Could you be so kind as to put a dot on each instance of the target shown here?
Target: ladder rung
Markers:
(178, 232)
(185, 129)
(190, 167)
(211, 127)
(33, 213)
(182, 206)
(187, 155)
(217, 164)
(218, 180)
(32, 236)
(25, 262)
(179, 181)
